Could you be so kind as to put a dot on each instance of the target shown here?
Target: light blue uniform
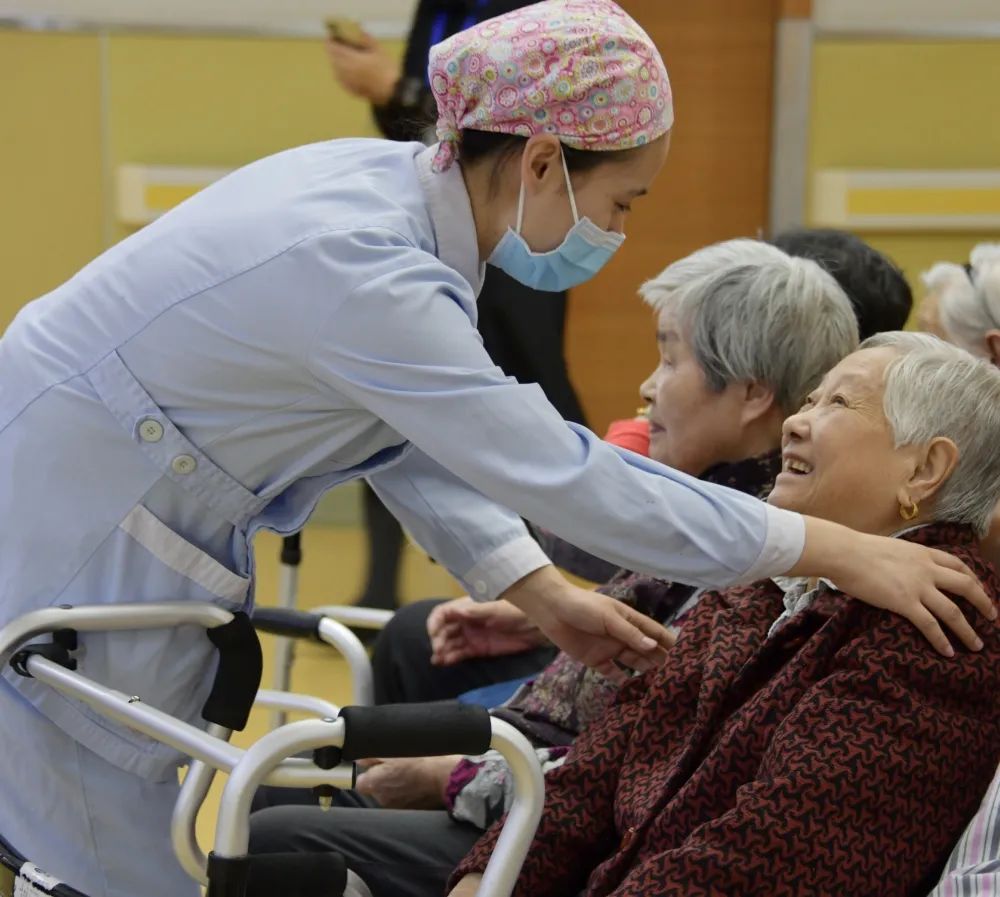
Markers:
(308, 320)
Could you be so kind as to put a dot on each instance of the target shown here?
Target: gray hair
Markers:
(753, 313)
(968, 300)
(937, 389)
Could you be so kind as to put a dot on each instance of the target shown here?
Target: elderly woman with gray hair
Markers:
(962, 304)
(798, 741)
(744, 332)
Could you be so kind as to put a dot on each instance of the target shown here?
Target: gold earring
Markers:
(909, 513)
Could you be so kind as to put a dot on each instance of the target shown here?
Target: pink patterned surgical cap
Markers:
(582, 70)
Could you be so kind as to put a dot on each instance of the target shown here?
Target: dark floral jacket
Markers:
(839, 756)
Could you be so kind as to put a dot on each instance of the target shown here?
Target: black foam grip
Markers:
(291, 550)
(287, 621)
(237, 677)
(297, 875)
(415, 730)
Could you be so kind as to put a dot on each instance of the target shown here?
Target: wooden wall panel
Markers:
(715, 185)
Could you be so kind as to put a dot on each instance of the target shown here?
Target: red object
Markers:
(631, 434)
(840, 756)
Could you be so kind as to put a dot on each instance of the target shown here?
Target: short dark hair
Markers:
(476, 146)
(879, 293)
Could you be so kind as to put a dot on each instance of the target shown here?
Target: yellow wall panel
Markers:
(222, 101)
(903, 105)
(50, 162)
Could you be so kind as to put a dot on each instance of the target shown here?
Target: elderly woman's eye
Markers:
(839, 400)
(623, 208)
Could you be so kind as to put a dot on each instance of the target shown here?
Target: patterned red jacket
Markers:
(841, 756)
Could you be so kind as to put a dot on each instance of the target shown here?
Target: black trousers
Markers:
(403, 670)
(397, 853)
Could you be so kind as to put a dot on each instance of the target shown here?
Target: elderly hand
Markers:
(905, 578)
(463, 629)
(594, 629)
(467, 887)
(369, 72)
(408, 783)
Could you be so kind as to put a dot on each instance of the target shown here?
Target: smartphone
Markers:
(347, 31)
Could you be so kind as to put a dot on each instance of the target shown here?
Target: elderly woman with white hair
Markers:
(962, 304)
(798, 741)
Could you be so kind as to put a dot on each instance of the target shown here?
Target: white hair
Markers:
(968, 300)
(937, 389)
(752, 313)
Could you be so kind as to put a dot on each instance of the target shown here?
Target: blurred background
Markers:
(877, 117)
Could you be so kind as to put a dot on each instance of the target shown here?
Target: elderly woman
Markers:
(962, 304)
(744, 332)
(798, 741)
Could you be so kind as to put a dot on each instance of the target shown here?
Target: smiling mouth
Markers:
(796, 467)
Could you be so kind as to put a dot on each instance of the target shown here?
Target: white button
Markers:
(150, 430)
(183, 464)
(479, 586)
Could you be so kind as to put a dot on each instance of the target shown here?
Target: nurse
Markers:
(309, 320)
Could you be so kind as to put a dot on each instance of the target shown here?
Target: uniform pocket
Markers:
(183, 558)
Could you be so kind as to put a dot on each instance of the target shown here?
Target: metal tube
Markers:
(112, 617)
(518, 832)
(284, 647)
(232, 831)
(285, 700)
(349, 645)
(299, 772)
(192, 795)
(132, 712)
(361, 617)
(188, 739)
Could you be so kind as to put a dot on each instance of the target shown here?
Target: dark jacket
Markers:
(839, 756)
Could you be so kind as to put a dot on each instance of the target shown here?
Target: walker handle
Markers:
(237, 677)
(415, 730)
(288, 622)
(297, 875)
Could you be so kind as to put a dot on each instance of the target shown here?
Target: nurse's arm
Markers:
(401, 343)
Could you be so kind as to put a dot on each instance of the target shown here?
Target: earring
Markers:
(909, 513)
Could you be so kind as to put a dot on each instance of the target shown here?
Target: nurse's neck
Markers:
(487, 207)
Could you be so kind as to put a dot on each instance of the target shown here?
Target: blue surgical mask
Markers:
(586, 249)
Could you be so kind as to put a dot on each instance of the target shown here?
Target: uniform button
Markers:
(183, 465)
(480, 587)
(150, 430)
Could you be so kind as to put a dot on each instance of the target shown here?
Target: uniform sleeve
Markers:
(864, 787)
(577, 828)
(402, 344)
(484, 544)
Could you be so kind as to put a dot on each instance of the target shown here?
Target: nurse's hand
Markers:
(908, 579)
(596, 630)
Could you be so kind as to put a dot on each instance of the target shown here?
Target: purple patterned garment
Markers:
(566, 696)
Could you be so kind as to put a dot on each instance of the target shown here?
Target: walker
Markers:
(336, 737)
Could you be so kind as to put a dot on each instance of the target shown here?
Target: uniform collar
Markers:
(451, 217)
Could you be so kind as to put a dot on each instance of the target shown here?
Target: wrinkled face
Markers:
(692, 427)
(604, 194)
(839, 457)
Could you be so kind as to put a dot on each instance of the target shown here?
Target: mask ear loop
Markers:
(569, 186)
(520, 209)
